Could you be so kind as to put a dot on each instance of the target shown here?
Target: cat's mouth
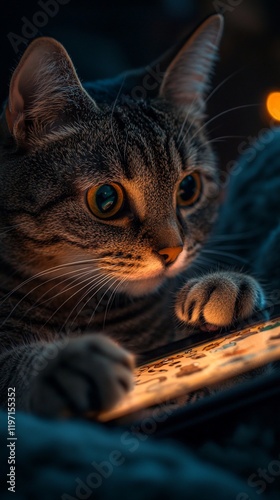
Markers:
(179, 265)
(153, 280)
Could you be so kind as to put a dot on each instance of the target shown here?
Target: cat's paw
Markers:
(90, 373)
(219, 300)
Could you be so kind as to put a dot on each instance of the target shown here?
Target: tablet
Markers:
(192, 364)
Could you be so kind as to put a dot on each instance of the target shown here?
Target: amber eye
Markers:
(105, 200)
(189, 190)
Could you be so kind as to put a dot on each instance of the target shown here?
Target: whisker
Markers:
(100, 300)
(225, 254)
(207, 263)
(234, 236)
(230, 110)
(185, 121)
(227, 245)
(222, 137)
(223, 82)
(125, 145)
(45, 272)
(70, 298)
(8, 229)
(110, 301)
(101, 284)
(34, 289)
(111, 118)
(64, 290)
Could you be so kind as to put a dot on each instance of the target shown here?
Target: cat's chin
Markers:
(145, 286)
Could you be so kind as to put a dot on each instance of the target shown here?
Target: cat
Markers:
(106, 200)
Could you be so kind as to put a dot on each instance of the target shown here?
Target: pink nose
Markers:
(170, 254)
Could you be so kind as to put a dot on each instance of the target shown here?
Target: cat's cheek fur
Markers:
(219, 300)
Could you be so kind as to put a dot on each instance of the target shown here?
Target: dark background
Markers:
(106, 37)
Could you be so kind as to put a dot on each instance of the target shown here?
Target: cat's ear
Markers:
(186, 80)
(44, 90)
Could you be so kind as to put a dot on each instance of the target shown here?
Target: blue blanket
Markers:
(81, 460)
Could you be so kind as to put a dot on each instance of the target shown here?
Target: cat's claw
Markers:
(90, 373)
(219, 300)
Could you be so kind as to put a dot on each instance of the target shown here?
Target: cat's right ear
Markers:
(45, 92)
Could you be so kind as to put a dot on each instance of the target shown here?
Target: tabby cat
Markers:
(108, 193)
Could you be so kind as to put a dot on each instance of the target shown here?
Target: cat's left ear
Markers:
(186, 80)
(45, 92)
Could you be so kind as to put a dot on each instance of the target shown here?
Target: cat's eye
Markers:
(189, 190)
(105, 200)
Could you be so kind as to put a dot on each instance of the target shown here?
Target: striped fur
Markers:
(66, 276)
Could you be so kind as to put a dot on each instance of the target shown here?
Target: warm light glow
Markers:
(273, 105)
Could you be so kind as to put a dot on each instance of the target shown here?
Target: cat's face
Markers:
(128, 188)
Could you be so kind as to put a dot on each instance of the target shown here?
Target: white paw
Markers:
(90, 373)
(219, 300)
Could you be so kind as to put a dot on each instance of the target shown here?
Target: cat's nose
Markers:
(170, 254)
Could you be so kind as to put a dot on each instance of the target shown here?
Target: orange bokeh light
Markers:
(273, 105)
